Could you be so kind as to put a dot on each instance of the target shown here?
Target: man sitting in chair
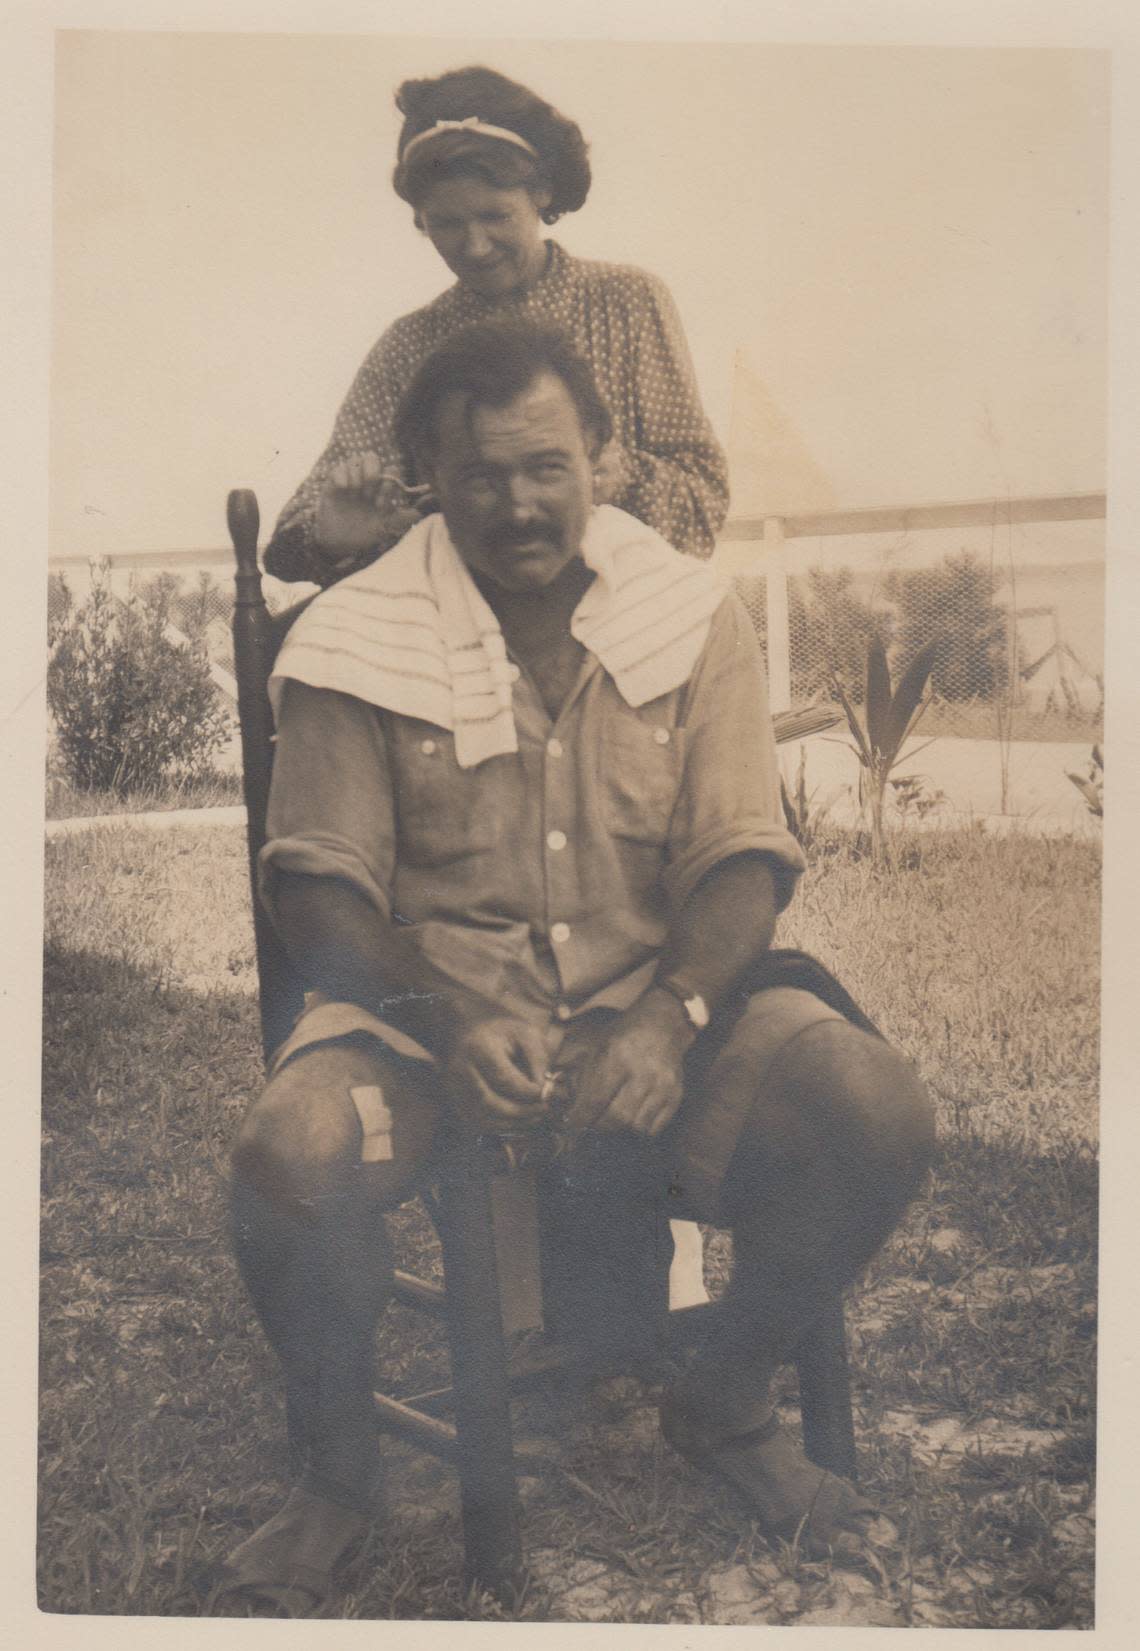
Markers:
(526, 849)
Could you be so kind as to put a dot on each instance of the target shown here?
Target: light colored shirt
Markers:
(625, 324)
(545, 879)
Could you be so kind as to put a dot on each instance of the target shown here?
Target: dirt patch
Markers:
(935, 1438)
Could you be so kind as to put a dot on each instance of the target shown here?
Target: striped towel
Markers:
(413, 634)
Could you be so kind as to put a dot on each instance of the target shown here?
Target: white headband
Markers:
(477, 127)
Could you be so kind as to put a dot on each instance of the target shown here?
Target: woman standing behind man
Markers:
(485, 164)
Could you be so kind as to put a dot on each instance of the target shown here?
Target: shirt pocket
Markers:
(446, 813)
(642, 764)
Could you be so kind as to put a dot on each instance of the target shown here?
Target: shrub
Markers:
(831, 627)
(194, 610)
(953, 606)
(132, 707)
(1091, 786)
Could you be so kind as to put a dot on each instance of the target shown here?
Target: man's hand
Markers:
(633, 1078)
(494, 1069)
(359, 510)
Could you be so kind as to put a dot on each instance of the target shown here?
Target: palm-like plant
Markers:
(889, 718)
(1091, 787)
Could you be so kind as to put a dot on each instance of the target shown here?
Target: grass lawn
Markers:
(162, 1435)
(64, 801)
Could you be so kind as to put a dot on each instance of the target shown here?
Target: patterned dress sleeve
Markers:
(364, 424)
(678, 473)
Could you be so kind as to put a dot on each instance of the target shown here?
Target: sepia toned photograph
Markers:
(565, 557)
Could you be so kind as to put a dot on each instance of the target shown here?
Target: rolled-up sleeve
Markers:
(729, 802)
(331, 811)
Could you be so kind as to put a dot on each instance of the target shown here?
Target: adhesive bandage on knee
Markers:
(376, 1122)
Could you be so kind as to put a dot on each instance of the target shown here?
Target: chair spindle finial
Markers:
(244, 520)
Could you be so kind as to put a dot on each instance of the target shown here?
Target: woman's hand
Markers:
(360, 511)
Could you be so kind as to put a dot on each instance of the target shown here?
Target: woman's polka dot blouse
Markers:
(624, 322)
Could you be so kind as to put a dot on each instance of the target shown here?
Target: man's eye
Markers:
(550, 471)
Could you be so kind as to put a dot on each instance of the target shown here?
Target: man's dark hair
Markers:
(492, 364)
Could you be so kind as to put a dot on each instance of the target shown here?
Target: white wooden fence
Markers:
(770, 535)
(750, 545)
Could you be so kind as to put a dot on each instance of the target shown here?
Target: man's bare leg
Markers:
(837, 1144)
(338, 1136)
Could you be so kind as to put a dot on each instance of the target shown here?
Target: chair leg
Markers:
(825, 1393)
(488, 1490)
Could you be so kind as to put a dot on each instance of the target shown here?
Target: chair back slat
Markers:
(257, 636)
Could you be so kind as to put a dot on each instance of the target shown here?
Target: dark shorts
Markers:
(691, 1158)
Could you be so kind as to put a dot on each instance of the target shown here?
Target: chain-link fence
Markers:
(1016, 612)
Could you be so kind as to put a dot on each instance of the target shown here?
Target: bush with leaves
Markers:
(1091, 785)
(132, 707)
(831, 627)
(953, 606)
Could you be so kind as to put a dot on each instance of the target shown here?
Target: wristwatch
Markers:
(691, 1001)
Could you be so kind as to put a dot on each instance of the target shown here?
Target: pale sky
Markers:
(905, 249)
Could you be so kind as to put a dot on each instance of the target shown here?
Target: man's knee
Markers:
(338, 1115)
(866, 1093)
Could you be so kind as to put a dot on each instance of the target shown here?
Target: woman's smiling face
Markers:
(491, 239)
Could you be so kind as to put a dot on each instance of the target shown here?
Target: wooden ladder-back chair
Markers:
(504, 1258)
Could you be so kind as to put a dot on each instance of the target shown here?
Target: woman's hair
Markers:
(490, 364)
(558, 166)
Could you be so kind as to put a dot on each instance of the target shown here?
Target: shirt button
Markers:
(661, 735)
(427, 747)
(559, 932)
(556, 839)
(562, 1011)
(554, 748)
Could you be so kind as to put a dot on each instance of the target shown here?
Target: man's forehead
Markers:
(541, 416)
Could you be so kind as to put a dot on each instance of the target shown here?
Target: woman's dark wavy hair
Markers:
(491, 364)
(562, 167)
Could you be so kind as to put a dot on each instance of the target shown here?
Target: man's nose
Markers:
(522, 494)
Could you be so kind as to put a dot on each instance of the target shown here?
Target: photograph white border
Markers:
(27, 116)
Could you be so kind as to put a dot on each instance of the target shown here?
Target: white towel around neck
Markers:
(413, 634)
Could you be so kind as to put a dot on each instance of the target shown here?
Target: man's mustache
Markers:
(527, 534)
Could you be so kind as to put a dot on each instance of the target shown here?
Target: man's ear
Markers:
(426, 468)
(609, 475)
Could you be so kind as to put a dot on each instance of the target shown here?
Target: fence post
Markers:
(779, 642)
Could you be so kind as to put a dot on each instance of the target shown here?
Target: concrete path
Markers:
(159, 820)
(1040, 797)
